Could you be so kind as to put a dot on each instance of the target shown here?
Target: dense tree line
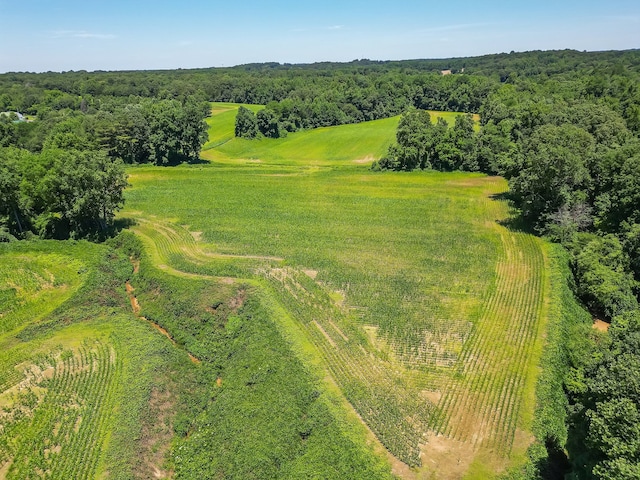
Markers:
(145, 130)
(262, 83)
(426, 145)
(62, 171)
(58, 193)
(572, 163)
(322, 94)
(349, 99)
(376, 89)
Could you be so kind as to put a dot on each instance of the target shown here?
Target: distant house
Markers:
(450, 72)
(20, 117)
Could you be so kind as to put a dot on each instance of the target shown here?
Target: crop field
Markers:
(403, 290)
(390, 319)
(76, 376)
(67, 399)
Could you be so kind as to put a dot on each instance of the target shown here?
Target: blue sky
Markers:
(61, 35)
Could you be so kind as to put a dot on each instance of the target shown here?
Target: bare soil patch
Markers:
(136, 264)
(445, 458)
(312, 274)
(4, 469)
(156, 435)
(433, 397)
(135, 306)
(238, 301)
(367, 159)
(601, 325)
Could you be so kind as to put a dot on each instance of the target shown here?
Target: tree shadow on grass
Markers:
(556, 464)
(515, 221)
(176, 160)
(120, 224)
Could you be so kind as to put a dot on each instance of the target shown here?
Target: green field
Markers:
(402, 290)
(347, 144)
(280, 312)
(77, 370)
(127, 369)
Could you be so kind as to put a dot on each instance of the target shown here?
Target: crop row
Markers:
(481, 404)
(65, 432)
(177, 247)
(473, 358)
(394, 409)
(378, 392)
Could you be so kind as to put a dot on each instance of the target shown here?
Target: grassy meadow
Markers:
(321, 146)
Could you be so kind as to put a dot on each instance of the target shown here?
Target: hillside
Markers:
(317, 250)
(408, 275)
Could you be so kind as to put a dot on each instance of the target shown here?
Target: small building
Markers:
(20, 117)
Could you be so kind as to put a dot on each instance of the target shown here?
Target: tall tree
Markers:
(72, 194)
(12, 217)
(246, 123)
(554, 172)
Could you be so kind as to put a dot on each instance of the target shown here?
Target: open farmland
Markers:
(78, 373)
(402, 289)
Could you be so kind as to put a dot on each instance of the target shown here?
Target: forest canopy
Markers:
(59, 193)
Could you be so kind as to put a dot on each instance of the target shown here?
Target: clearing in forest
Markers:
(422, 308)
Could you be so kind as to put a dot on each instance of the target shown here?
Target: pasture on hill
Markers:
(403, 293)
(358, 143)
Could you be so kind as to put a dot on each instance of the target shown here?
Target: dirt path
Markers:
(601, 325)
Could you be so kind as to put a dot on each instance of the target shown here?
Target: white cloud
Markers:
(336, 27)
(81, 34)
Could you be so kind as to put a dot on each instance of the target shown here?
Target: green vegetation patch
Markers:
(36, 278)
(407, 275)
(255, 410)
(82, 378)
(360, 143)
